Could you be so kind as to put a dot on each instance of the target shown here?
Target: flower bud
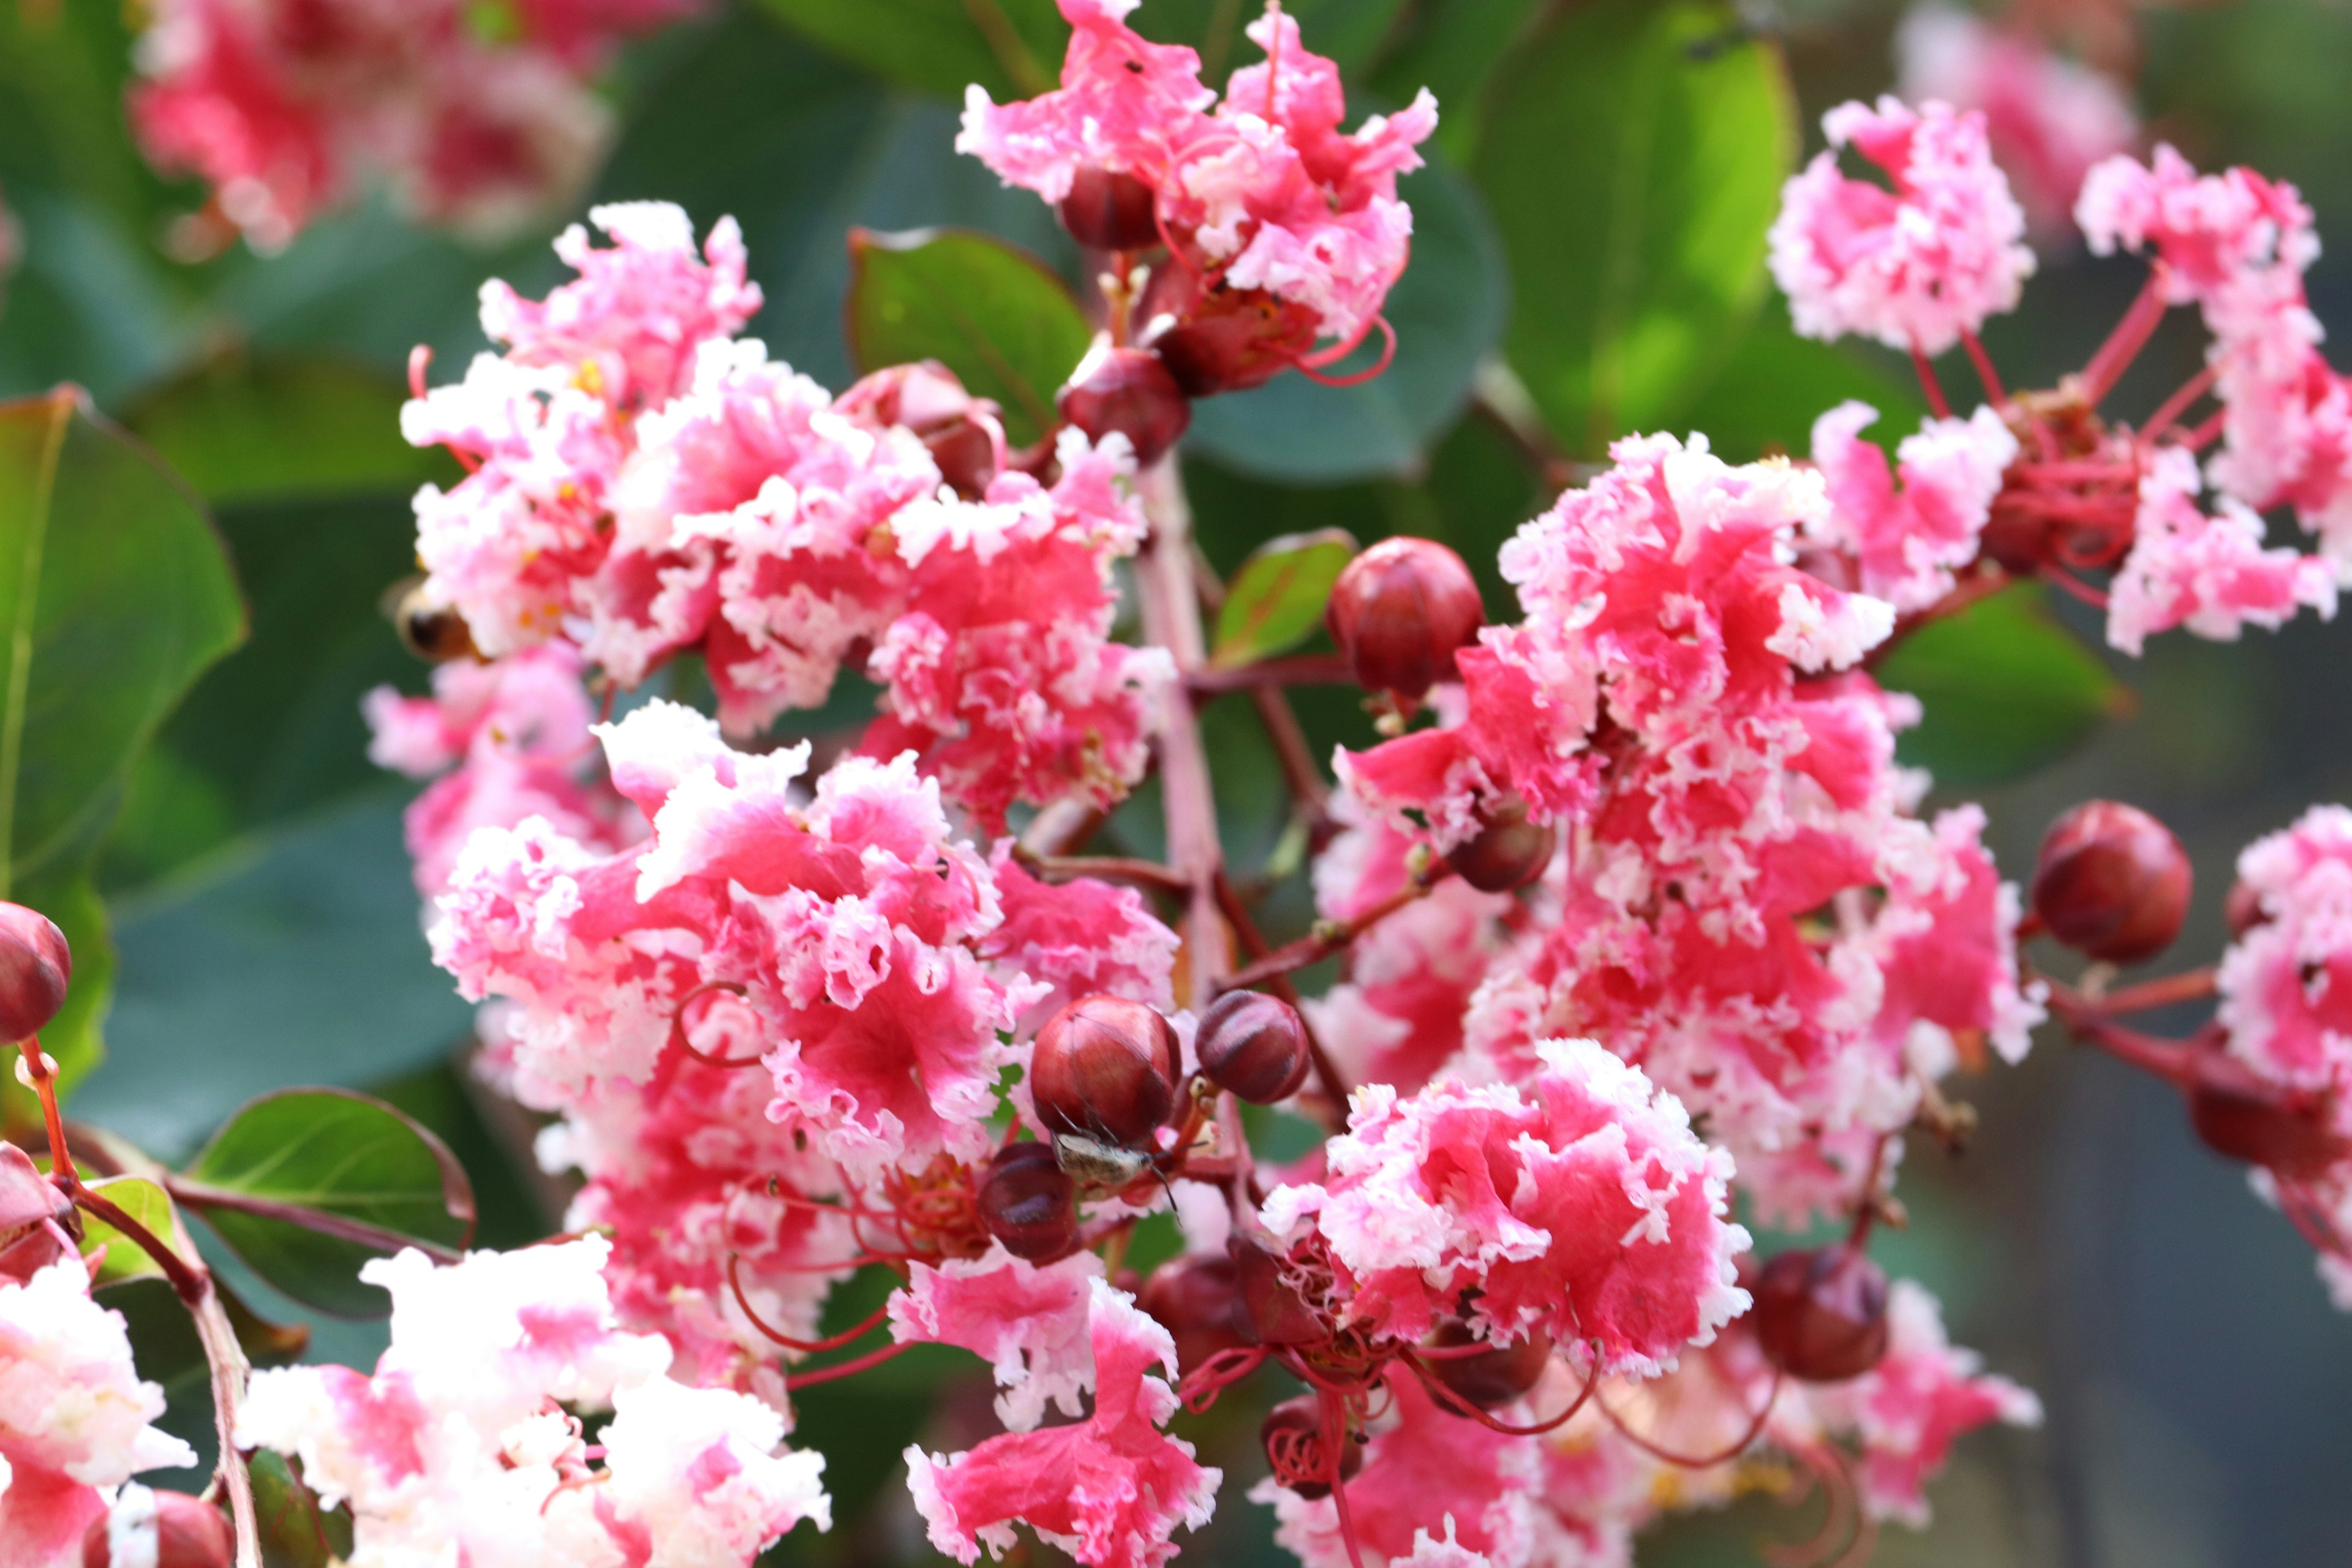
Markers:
(2111, 882)
(1293, 1436)
(2242, 910)
(2242, 1115)
(1195, 1298)
(1491, 1377)
(160, 1529)
(1105, 1067)
(1272, 1311)
(1254, 1046)
(1820, 1315)
(963, 434)
(1026, 1203)
(1110, 210)
(432, 631)
(1129, 391)
(1221, 339)
(1508, 851)
(35, 964)
(1399, 610)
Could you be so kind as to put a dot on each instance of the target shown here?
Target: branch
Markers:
(1112, 867)
(1330, 936)
(1298, 670)
(229, 1369)
(1172, 618)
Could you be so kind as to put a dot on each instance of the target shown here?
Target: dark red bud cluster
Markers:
(1399, 611)
(2111, 882)
(1254, 1046)
(35, 964)
(1028, 1203)
(963, 434)
(1129, 391)
(1110, 210)
(1820, 1313)
(1105, 1069)
(1491, 1377)
(2238, 1114)
(1508, 851)
(1293, 1436)
(189, 1533)
(1271, 1311)
(1194, 1298)
(1221, 339)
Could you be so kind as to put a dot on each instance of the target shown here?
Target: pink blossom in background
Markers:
(1915, 263)
(2049, 119)
(285, 106)
(1031, 1324)
(460, 1440)
(74, 1416)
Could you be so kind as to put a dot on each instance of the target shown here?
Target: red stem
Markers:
(1937, 404)
(1298, 670)
(2137, 324)
(1703, 1461)
(845, 1368)
(2174, 406)
(1985, 372)
(831, 1342)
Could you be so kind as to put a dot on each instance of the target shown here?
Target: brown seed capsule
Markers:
(1130, 392)
(1194, 1298)
(1272, 1311)
(1254, 1046)
(2238, 1114)
(1293, 1436)
(1105, 1067)
(2111, 882)
(1820, 1313)
(432, 631)
(185, 1532)
(1026, 1203)
(35, 966)
(1399, 611)
(1110, 211)
(1491, 1377)
(1508, 852)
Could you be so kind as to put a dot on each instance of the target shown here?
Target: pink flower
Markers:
(2287, 984)
(460, 1441)
(1029, 1325)
(1082, 937)
(1908, 542)
(1583, 1205)
(2213, 232)
(74, 1416)
(2207, 571)
(2049, 119)
(1110, 1490)
(1915, 267)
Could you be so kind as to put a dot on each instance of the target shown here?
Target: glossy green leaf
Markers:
(1347, 32)
(144, 1202)
(998, 318)
(1011, 47)
(1455, 48)
(114, 594)
(296, 1533)
(307, 1185)
(1632, 153)
(1275, 601)
(239, 428)
(2006, 688)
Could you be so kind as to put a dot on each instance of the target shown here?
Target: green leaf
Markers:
(1347, 32)
(997, 317)
(296, 1533)
(307, 1185)
(2006, 688)
(1774, 385)
(240, 429)
(1276, 599)
(1011, 47)
(145, 1201)
(1632, 153)
(114, 594)
(1454, 47)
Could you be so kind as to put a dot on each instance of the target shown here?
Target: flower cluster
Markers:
(479, 115)
(644, 484)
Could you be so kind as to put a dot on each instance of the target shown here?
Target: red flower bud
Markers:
(2111, 882)
(1129, 391)
(1222, 340)
(1195, 1298)
(188, 1534)
(1820, 1315)
(1110, 211)
(1398, 612)
(1272, 1311)
(2242, 910)
(1491, 1377)
(1508, 852)
(1254, 1046)
(1105, 1067)
(1293, 1436)
(35, 964)
(2240, 1114)
(963, 434)
(1025, 1201)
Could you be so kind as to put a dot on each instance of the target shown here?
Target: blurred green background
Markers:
(1593, 218)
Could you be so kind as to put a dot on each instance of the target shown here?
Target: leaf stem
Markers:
(1330, 936)
(204, 1195)
(1296, 669)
